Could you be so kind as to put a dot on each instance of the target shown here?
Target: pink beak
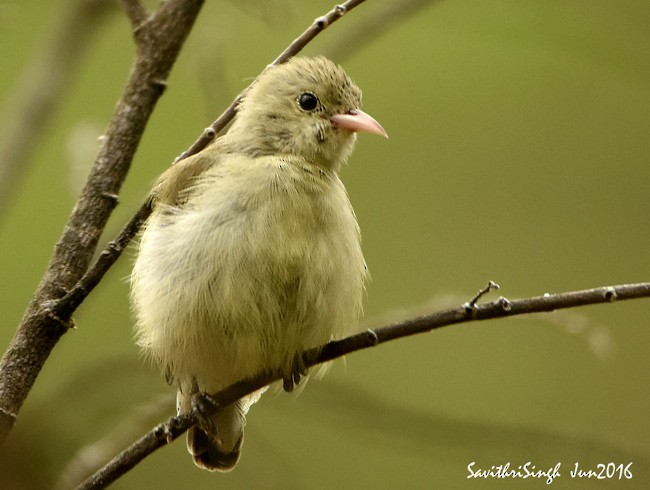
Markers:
(357, 120)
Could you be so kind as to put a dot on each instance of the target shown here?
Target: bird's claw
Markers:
(204, 406)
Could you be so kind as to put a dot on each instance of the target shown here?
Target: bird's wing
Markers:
(168, 189)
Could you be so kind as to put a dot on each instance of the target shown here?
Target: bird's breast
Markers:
(253, 270)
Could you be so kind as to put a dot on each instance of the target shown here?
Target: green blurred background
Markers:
(518, 152)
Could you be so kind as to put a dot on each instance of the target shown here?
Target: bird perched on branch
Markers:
(252, 252)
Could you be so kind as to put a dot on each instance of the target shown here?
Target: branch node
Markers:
(372, 336)
(81, 288)
(111, 196)
(50, 313)
(136, 14)
(321, 22)
(340, 10)
(470, 310)
(491, 286)
(112, 249)
(159, 84)
(610, 294)
(504, 303)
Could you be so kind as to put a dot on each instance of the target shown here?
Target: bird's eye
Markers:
(308, 101)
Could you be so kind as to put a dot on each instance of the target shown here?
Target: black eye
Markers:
(308, 101)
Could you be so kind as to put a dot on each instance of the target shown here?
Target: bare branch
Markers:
(174, 427)
(135, 11)
(491, 286)
(162, 37)
(66, 306)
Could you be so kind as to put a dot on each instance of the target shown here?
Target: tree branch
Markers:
(135, 11)
(174, 427)
(159, 39)
(67, 305)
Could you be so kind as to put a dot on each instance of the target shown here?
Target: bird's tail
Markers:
(218, 450)
(216, 443)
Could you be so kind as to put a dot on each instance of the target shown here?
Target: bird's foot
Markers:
(205, 407)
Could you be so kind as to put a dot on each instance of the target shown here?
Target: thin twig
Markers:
(135, 11)
(491, 286)
(174, 427)
(71, 301)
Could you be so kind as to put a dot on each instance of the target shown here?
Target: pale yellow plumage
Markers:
(252, 253)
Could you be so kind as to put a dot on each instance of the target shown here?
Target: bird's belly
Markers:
(255, 289)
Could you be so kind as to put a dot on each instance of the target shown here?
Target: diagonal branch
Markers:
(135, 11)
(174, 427)
(159, 39)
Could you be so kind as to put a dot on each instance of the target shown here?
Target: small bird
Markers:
(252, 253)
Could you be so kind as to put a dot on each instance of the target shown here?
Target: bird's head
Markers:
(307, 107)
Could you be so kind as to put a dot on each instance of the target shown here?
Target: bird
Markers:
(252, 252)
